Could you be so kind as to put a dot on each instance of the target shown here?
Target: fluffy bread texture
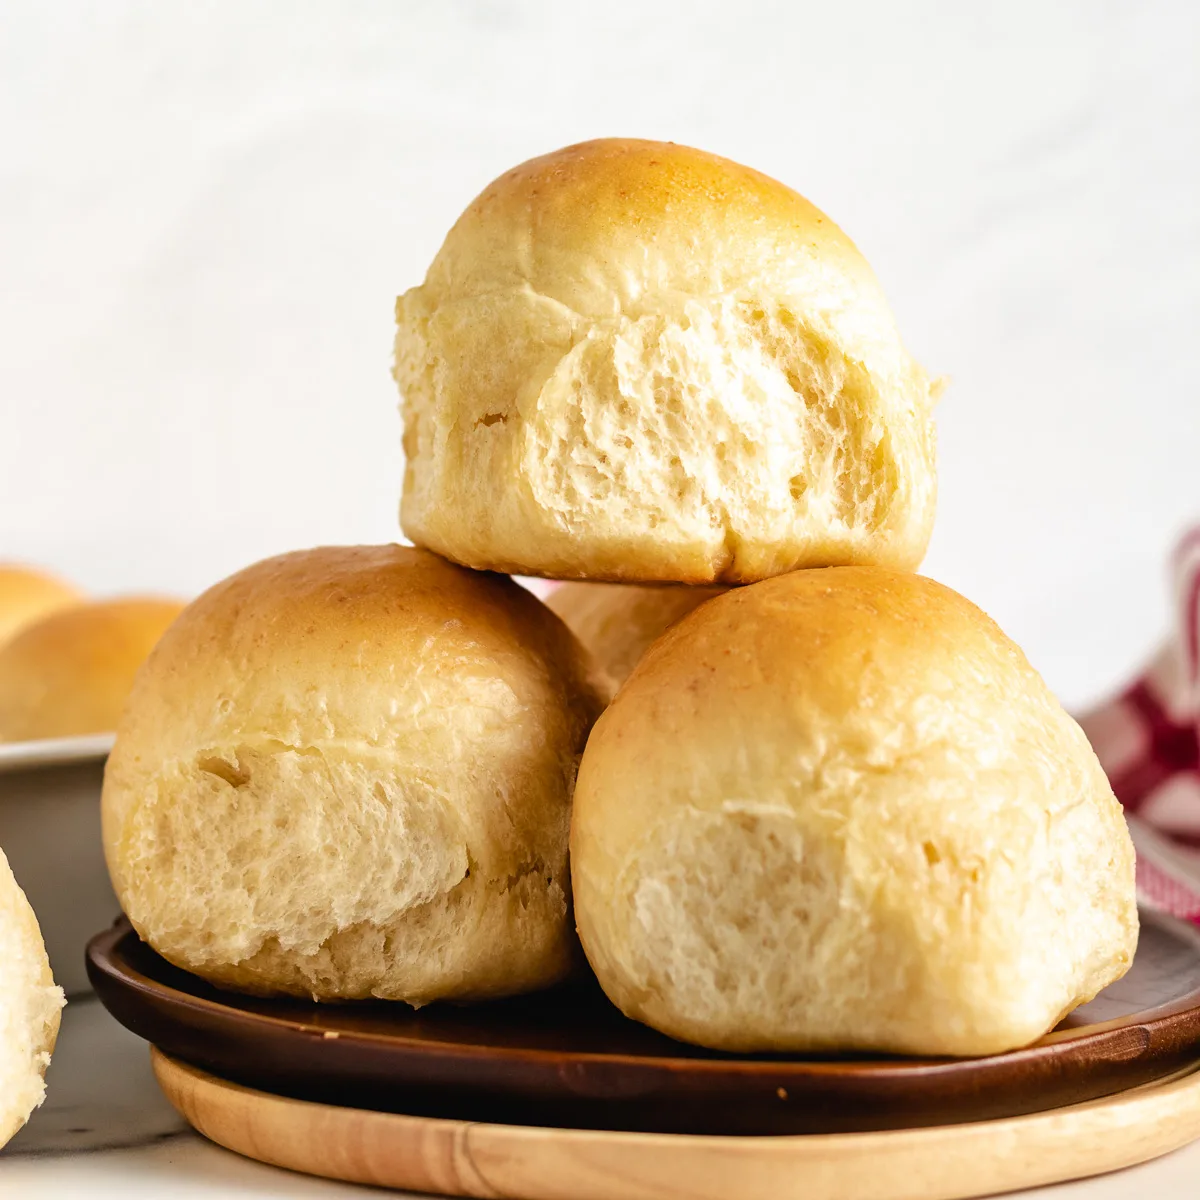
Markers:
(839, 811)
(634, 361)
(618, 622)
(70, 673)
(347, 772)
(30, 1007)
(27, 594)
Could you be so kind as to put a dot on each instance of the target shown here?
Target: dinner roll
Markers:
(616, 622)
(635, 361)
(347, 773)
(27, 594)
(30, 1005)
(70, 672)
(839, 811)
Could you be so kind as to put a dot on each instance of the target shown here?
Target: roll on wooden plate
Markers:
(346, 773)
(839, 811)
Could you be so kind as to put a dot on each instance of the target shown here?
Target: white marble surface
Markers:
(106, 1132)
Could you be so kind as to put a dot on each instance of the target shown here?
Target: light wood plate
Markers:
(569, 1058)
(461, 1158)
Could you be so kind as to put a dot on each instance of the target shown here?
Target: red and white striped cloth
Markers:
(1148, 740)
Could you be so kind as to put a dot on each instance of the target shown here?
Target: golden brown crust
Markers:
(634, 361)
(346, 772)
(617, 623)
(838, 810)
(594, 202)
(27, 594)
(69, 673)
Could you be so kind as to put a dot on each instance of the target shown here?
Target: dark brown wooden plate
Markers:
(567, 1058)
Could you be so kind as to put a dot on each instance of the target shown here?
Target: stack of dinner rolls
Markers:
(831, 805)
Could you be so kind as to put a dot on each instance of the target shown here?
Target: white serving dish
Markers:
(50, 832)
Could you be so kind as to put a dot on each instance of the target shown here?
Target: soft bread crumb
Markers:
(30, 1007)
(346, 773)
(636, 361)
(839, 811)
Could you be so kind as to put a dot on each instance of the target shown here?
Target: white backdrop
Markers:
(207, 210)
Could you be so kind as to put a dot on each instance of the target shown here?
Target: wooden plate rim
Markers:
(1183, 1011)
(1184, 1080)
(446, 1156)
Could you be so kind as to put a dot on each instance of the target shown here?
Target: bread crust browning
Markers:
(346, 773)
(634, 361)
(839, 811)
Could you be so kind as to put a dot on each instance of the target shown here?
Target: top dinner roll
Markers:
(635, 361)
(839, 811)
(346, 773)
(617, 622)
(27, 594)
(69, 673)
